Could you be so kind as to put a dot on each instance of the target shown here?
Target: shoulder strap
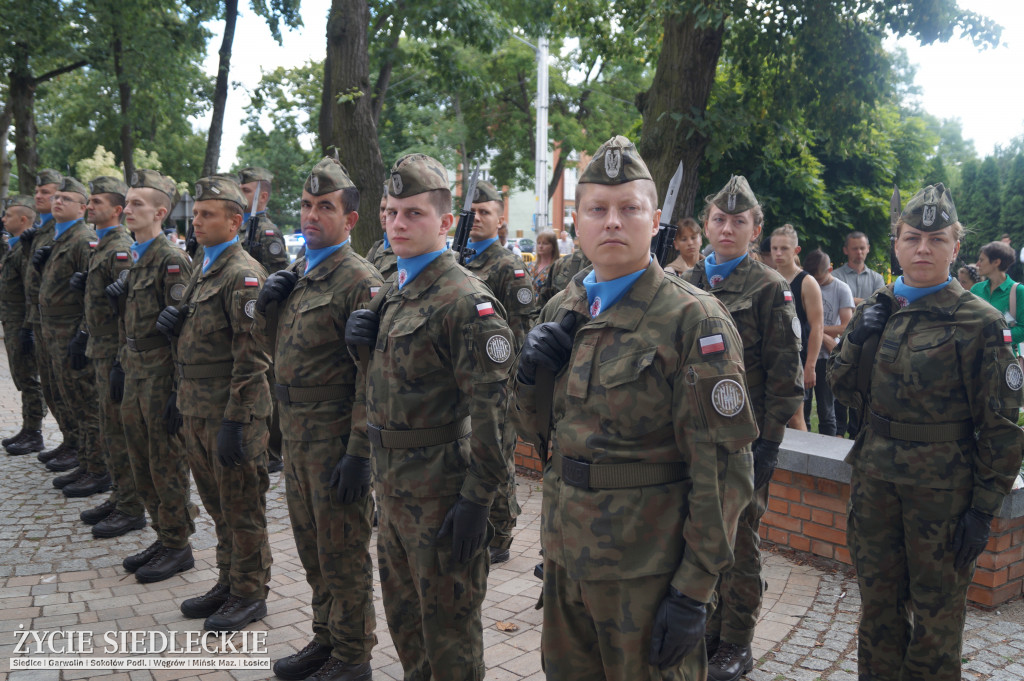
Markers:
(1013, 300)
(545, 387)
(375, 304)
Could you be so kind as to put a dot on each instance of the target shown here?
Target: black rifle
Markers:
(252, 243)
(664, 241)
(466, 219)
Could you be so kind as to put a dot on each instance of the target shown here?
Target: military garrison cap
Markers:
(930, 210)
(616, 161)
(735, 197)
(70, 184)
(23, 200)
(416, 173)
(106, 184)
(47, 176)
(327, 176)
(254, 174)
(153, 180)
(220, 189)
(485, 191)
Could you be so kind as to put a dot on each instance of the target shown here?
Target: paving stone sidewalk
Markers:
(55, 576)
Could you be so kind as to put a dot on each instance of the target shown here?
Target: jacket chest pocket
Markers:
(742, 312)
(629, 385)
(928, 348)
(310, 320)
(142, 298)
(410, 352)
(205, 315)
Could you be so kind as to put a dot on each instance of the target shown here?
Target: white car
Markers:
(294, 244)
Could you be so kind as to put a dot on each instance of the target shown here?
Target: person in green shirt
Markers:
(993, 262)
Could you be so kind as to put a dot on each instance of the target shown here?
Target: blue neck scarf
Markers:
(105, 231)
(247, 216)
(61, 227)
(480, 247)
(387, 242)
(213, 252)
(13, 241)
(43, 219)
(718, 272)
(603, 294)
(409, 268)
(907, 294)
(315, 256)
(139, 249)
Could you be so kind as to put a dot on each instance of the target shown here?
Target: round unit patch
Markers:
(1014, 376)
(499, 349)
(123, 276)
(177, 291)
(275, 248)
(796, 327)
(524, 296)
(727, 397)
(250, 309)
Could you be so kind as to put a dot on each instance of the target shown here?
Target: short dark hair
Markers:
(114, 199)
(856, 235)
(350, 199)
(816, 261)
(441, 200)
(691, 224)
(997, 251)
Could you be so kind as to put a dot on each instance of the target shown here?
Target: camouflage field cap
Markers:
(106, 184)
(70, 184)
(254, 174)
(616, 161)
(485, 191)
(220, 189)
(153, 180)
(327, 176)
(930, 210)
(735, 197)
(416, 173)
(23, 200)
(47, 176)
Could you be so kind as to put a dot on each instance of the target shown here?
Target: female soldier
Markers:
(940, 395)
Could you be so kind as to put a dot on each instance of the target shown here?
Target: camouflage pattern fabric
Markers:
(77, 388)
(43, 237)
(270, 249)
(113, 443)
(561, 273)
(383, 258)
(658, 378)
(12, 315)
(941, 359)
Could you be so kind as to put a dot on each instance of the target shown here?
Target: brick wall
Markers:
(527, 459)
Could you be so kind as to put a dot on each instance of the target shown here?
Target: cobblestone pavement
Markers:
(55, 576)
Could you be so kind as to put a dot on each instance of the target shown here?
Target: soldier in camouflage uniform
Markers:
(62, 309)
(505, 274)
(760, 302)
(222, 394)
(327, 474)
(649, 438)
(938, 451)
(19, 214)
(142, 380)
(381, 255)
(562, 272)
(436, 398)
(122, 512)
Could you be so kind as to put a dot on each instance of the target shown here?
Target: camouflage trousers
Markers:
(157, 459)
(113, 445)
(913, 600)
(236, 499)
(275, 438)
(601, 630)
(432, 605)
(504, 511)
(333, 542)
(741, 588)
(51, 391)
(77, 389)
(26, 378)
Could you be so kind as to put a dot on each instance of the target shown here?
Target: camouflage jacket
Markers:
(152, 283)
(505, 274)
(383, 258)
(112, 256)
(219, 338)
(12, 285)
(761, 305)
(443, 353)
(268, 249)
(43, 237)
(562, 272)
(310, 349)
(58, 302)
(942, 359)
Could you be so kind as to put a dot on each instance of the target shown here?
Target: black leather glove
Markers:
(173, 417)
(27, 236)
(169, 322)
(40, 257)
(28, 340)
(191, 245)
(229, 444)
(766, 458)
(466, 522)
(77, 281)
(76, 350)
(678, 626)
(971, 536)
(276, 288)
(547, 345)
(351, 478)
(114, 292)
(116, 382)
(871, 322)
(361, 328)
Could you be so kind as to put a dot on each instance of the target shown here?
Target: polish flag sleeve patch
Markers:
(252, 281)
(712, 345)
(1007, 336)
(788, 295)
(174, 269)
(520, 274)
(484, 309)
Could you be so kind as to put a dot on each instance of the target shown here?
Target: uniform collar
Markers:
(427, 276)
(943, 302)
(323, 256)
(628, 311)
(480, 247)
(107, 231)
(212, 254)
(734, 283)
(62, 228)
(229, 247)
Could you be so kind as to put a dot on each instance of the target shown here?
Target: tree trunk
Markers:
(220, 90)
(346, 114)
(22, 89)
(380, 90)
(682, 83)
(5, 158)
(124, 91)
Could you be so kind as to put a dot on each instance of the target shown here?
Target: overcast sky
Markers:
(981, 88)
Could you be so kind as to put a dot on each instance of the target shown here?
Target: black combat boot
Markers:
(730, 662)
(14, 438)
(87, 485)
(336, 670)
(62, 481)
(25, 442)
(91, 516)
(64, 462)
(303, 663)
(118, 523)
(236, 614)
(207, 604)
(498, 555)
(50, 454)
(165, 564)
(135, 561)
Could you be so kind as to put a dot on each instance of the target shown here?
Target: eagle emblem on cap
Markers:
(135, 177)
(613, 162)
(199, 190)
(91, 189)
(928, 216)
(396, 183)
(314, 184)
(39, 179)
(732, 202)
